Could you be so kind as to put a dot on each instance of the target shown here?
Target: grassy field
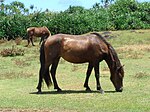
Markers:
(19, 77)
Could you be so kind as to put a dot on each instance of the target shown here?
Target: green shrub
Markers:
(121, 15)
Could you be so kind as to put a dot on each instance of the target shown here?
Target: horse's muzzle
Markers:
(120, 89)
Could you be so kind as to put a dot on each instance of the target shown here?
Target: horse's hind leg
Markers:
(97, 76)
(88, 73)
(40, 80)
(53, 73)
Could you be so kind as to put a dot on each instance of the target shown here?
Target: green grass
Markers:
(19, 77)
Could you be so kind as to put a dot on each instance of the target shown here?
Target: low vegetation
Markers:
(12, 52)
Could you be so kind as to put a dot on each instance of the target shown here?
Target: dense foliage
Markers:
(120, 15)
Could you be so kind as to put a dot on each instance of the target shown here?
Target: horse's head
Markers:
(117, 78)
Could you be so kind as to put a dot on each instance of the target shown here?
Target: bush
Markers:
(121, 15)
(12, 52)
(129, 14)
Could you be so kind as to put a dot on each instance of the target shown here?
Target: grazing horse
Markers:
(91, 48)
(42, 32)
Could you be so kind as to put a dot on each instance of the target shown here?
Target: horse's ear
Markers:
(118, 68)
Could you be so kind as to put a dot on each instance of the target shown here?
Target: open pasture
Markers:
(19, 78)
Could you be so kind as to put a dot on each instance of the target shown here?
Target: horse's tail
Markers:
(27, 36)
(45, 73)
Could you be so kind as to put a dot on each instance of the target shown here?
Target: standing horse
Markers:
(91, 48)
(42, 32)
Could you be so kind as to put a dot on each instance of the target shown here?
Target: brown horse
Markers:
(42, 32)
(91, 48)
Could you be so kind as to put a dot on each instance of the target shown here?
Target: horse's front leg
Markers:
(88, 73)
(97, 76)
(53, 73)
(32, 41)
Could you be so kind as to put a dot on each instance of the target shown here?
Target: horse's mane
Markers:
(112, 52)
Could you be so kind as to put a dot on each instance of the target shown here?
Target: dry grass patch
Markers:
(3, 41)
(14, 51)
(133, 51)
(134, 48)
(142, 75)
(13, 75)
(21, 62)
(18, 40)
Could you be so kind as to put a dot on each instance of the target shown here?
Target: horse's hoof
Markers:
(59, 90)
(101, 91)
(39, 92)
(88, 90)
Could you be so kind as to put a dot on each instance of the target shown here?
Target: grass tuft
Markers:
(3, 41)
(133, 51)
(18, 41)
(12, 52)
(15, 75)
(142, 74)
(21, 62)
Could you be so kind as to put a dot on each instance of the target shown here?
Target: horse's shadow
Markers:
(70, 92)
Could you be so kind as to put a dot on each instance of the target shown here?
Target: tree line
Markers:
(15, 18)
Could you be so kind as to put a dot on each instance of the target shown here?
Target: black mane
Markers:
(114, 56)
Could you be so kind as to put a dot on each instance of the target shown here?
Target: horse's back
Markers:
(38, 31)
(76, 48)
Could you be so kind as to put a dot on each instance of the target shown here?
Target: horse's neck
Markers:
(111, 65)
(112, 60)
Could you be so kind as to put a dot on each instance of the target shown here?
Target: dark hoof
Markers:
(59, 90)
(101, 91)
(88, 90)
(39, 92)
(119, 90)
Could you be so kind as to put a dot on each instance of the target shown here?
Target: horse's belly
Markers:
(74, 58)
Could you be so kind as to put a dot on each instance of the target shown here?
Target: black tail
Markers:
(45, 73)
